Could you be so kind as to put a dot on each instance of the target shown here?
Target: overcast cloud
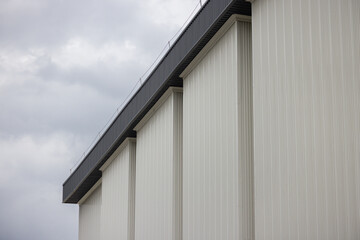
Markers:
(65, 66)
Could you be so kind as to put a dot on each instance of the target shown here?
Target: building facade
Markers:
(249, 128)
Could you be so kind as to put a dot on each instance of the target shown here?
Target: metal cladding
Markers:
(217, 151)
(90, 215)
(306, 98)
(201, 29)
(158, 171)
(118, 195)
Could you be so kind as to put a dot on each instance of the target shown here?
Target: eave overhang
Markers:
(197, 34)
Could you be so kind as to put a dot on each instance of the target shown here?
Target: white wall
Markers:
(158, 171)
(306, 119)
(90, 215)
(118, 179)
(217, 165)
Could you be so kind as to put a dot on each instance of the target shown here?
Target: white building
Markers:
(249, 128)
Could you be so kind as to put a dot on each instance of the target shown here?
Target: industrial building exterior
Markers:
(248, 128)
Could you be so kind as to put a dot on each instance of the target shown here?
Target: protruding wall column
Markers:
(217, 164)
(118, 193)
(90, 214)
(158, 202)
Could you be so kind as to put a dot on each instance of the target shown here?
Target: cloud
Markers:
(31, 204)
(34, 156)
(79, 53)
(40, 107)
(13, 8)
(170, 14)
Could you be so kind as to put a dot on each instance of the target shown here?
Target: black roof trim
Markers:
(197, 34)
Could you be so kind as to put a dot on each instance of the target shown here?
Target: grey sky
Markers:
(65, 66)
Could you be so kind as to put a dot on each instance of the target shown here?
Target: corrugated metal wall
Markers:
(306, 119)
(89, 216)
(118, 195)
(217, 169)
(158, 173)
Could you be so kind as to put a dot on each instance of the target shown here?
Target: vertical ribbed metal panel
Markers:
(217, 169)
(158, 173)
(306, 119)
(89, 216)
(118, 195)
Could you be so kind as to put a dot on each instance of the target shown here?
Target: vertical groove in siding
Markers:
(306, 88)
(244, 132)
(158, 173)
(131, 190)
(355, 86)
(177, 165)
(89, 216)
(217, 192)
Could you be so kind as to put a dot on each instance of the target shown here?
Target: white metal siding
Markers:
(306, 119)
(117, 195)
(217, 165)
(89, 216)
(158, 173)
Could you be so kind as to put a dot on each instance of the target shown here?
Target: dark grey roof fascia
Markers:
(199, 31)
